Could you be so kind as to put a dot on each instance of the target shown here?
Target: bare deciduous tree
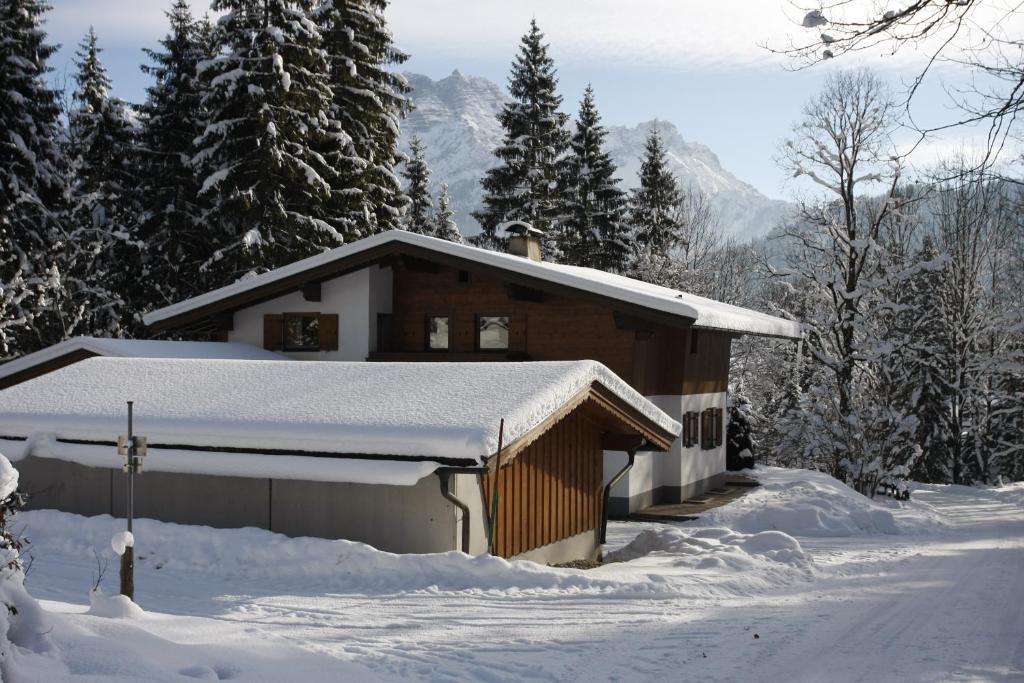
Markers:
(982, 36)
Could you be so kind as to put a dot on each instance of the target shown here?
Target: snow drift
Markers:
(311, 564)
(807, 503)
(720, 561)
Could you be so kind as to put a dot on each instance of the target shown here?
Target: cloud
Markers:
(643, 32)
(650, 33)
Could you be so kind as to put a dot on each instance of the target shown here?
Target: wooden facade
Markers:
(551, 490)
(654, 358)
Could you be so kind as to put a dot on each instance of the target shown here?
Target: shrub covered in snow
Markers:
(23, 632)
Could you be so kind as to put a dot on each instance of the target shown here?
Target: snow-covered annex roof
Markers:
(705, 313)
(445, 413)
(77, 348)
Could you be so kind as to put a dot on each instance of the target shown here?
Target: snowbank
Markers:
(729, 562)
(114, 606)
(807, 503)
(256, 555)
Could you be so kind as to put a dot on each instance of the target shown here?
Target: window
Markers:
(492, 332)
(437, 333)
(301, 332)
(463, 277)
(691, 430)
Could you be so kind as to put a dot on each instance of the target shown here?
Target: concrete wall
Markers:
(584, 546)
(400, 519)
(60, 485)
(674, 476)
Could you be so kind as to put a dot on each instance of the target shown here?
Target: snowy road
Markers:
(943, 605)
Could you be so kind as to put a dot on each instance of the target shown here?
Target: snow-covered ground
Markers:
(801, 580)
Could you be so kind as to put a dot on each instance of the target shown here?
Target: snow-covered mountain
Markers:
(456, 117)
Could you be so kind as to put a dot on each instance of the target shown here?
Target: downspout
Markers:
(444, 476)
(608, 491)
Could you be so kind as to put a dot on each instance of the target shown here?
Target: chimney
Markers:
(523, 239)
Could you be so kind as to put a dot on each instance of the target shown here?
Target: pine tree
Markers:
(594, 230)
(31, 181)
(101, 259)
(444, 226)
(369, 103)
(524, 186)
(172, 227)
(653, 205)
(925, 388)
(417, 174)
(267, 184)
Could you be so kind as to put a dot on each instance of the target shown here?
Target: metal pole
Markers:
(131, 469)
(128, 556)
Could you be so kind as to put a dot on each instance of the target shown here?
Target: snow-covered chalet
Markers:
(440, 344)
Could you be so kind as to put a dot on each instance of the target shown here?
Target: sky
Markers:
(701, 65)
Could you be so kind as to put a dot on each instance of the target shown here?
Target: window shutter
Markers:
(719, 427)
(691, 429)
(273, 332)
(328, 331)
(706, 430)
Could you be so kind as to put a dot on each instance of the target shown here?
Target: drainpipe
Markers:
(444, 475)
(608, 491)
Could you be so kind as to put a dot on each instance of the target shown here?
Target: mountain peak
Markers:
(456, 117)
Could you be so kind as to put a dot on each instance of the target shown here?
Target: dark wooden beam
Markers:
(311, 291)
(621, 442)
(643, 327)
(522, 293)
(224, 321)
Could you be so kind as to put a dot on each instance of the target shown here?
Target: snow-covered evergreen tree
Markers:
(594, 232)
(525, 184)
(653, 205)
(264, 177)
(369, 102)
(444, 226)
(100, 261)
(740, 445)
(417, 174)
(31, 180)
(172, 225)
(925, 383)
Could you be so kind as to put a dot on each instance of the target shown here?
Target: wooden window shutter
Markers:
(706, 430)
(719, 427)
(328, 331)
(273, 332)
(691, 429)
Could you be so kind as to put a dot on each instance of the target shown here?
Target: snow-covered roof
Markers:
(137, 348)
(448, 411)
(706, 313)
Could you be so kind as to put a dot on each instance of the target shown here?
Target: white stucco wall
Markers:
(679, 467)
(356, 298)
